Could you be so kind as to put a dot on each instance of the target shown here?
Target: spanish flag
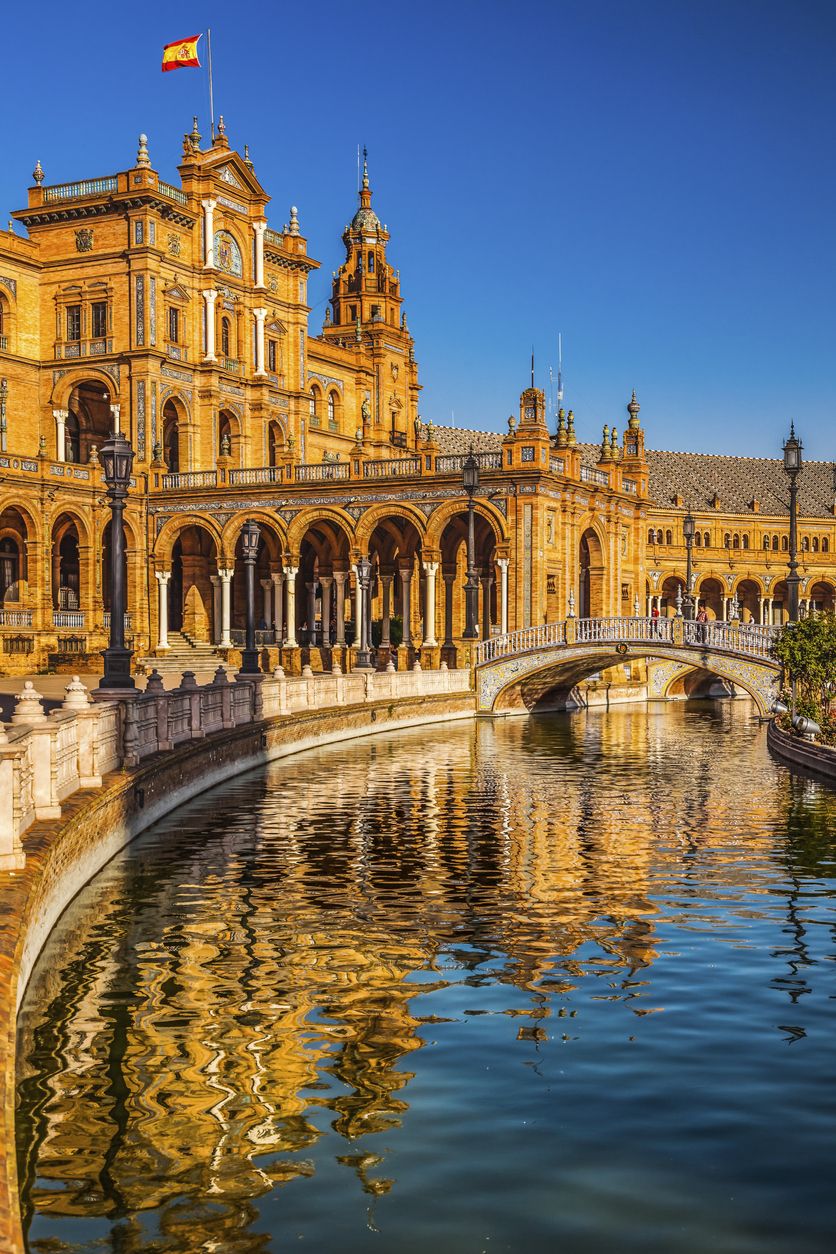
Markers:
(181, 53)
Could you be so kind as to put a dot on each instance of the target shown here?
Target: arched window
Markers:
(72, 437)
(9, 565)
(805, 544)
(332, 409)
(651, 536)
(698, 539)
(727, 540)
(668, 537)
(775, 544)
(745, 542)
(706, 540)
(371, 262)
(825, 545)
(766, 542)
(815, 544)
(785, 544)
(225, 334)
(735, 541)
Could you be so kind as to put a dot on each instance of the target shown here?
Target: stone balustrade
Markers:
(45, 758)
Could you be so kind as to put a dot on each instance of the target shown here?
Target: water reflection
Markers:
(447, 983)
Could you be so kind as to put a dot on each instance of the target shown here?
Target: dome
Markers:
(365, 219)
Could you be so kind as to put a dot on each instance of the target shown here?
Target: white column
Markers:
(278, 580)
(210, 296)
(386, 582)
(61, 416)
(430, 572)
(209, 233)
(226, 579)
(358, 607)
(405, 568)
(340, 577)
(290, 573)
(267, 589)
(216, 608)
(325, 582)
(115, 411)
(163, 577)
(259, 228)
(502, 563)
(259, 315)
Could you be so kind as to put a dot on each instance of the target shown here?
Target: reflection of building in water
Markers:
(251, 974)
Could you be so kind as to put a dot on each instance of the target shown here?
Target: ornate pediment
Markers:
(176, 292)
(226, 176)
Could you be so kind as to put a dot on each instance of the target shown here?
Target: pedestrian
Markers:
(654, 621)
(702, 619)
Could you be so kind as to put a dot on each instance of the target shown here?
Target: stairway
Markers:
(186, 654)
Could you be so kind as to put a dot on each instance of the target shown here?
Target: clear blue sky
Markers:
(657, 180)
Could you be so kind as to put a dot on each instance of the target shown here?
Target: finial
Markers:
(358, 334)
(561, 428)
(221, 125)
(195, 137)
(142, 158)
(605, 445)
(614, 443)
(247, 161)
(365, 168)
(792, 428)
(633, 410)
(38, 173)
(571, 438)
(294, 221)
(512, 424)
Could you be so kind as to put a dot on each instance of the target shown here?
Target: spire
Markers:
(365, 219)
(633, 410)
(365, 186)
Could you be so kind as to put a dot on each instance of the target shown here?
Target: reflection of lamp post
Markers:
(250, 534)
(364, 571)
(470, 482)
(116, 457)
(688, 528)
(792, 466)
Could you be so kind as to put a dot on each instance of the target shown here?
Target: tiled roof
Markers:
(697, 476)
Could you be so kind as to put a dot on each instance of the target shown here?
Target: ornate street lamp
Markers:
(792, 467)
(250, 534)
(470, 482)
(116, 457)
(364, 571)
(688, 529)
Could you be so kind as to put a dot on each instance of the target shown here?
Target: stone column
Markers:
(340, 577)
(486, 581)
(766, 611)
(209, 233)
(430, 571)
(502, 563)
(259, 315)
(225, 641)
(311, 613)
(386, 585)
(358, 606)
(210, 296)
(290, 573)
(60, 416)
(405, 567)
(258, 229)
(277, 580)
(325, 582)
(216, 608)
(163, 577)
(266, 589)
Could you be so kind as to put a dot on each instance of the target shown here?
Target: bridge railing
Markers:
(752, 639)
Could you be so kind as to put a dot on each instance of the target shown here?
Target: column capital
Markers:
(260, 314)
(502, 562)
(61, 415)
(209, 205)
(210, 295)
(226, 573)
(266, 583)
(163, 575)
(431, 568)
(277, 576)
(340, 576)
(214, 580)
(291, 571)
(260, 227)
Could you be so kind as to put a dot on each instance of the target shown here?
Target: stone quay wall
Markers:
(78, 784)
(795, 751)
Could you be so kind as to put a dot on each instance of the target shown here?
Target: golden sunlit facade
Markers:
(176, 313)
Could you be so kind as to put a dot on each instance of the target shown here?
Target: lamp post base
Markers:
(117, 668)
(249, 662)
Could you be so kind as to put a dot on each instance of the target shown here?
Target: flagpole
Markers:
(211, 95)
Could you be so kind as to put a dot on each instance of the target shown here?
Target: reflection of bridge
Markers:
(539, 666)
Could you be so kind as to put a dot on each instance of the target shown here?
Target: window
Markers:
(805, 544)
(225, 336)
(706, 540)
(174, 325)
(785, 544)
(745, 542)
(375, 313)
(815, 544)
(775, 544)
(698, 539)
(651, 536)
(371, 262)
(271, 356)
(668, 537)
(98, 319)
(727, 540)
(766, 542)
(353, 311)
(332, 409)
(736, 541)
(825, 545)
(74, 322)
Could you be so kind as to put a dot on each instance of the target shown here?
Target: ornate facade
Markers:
(179, 315)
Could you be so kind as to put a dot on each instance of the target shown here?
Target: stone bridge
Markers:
(537, 667)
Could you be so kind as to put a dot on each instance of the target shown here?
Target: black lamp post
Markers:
(116, 457)
(364, 571)
(792, 466)
(470, 482)
(250, 534)
(688, 529)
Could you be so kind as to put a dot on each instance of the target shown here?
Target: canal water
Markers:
(548, 984)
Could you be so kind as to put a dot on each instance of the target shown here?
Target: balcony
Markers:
(74, 191)
(15, 618)
(173, 193)
(127, 623)
(97, 347)
(557, 466)
(68, 618)
(452, 463)
(321, 472)
(260, 474)
(397, 467)
(629, 485)
(231, 365)
(191, 479)
(590, 474)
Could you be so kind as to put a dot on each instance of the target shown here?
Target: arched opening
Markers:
(324, 600)
(701, 685)
(591, 576)
(66, 565)
(454, 573)
(749, 599)
(710, 598)
(780, 602)
(398, 592)
(13, 572)
(315, 406)
(229, 429)
(275, 443)
(672, 587)
(821, 597)
(190, 589)
(268, 560)
(171, 436)
(89, 421)
(226, 337)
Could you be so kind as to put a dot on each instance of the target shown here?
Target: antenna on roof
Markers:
(551, 393)
(559, 370)
(532, 365)
(358, 169)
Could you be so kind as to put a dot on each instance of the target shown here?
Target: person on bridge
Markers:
(654, 617)
(702, 619)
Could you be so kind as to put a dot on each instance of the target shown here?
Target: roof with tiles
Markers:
(696, 477)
